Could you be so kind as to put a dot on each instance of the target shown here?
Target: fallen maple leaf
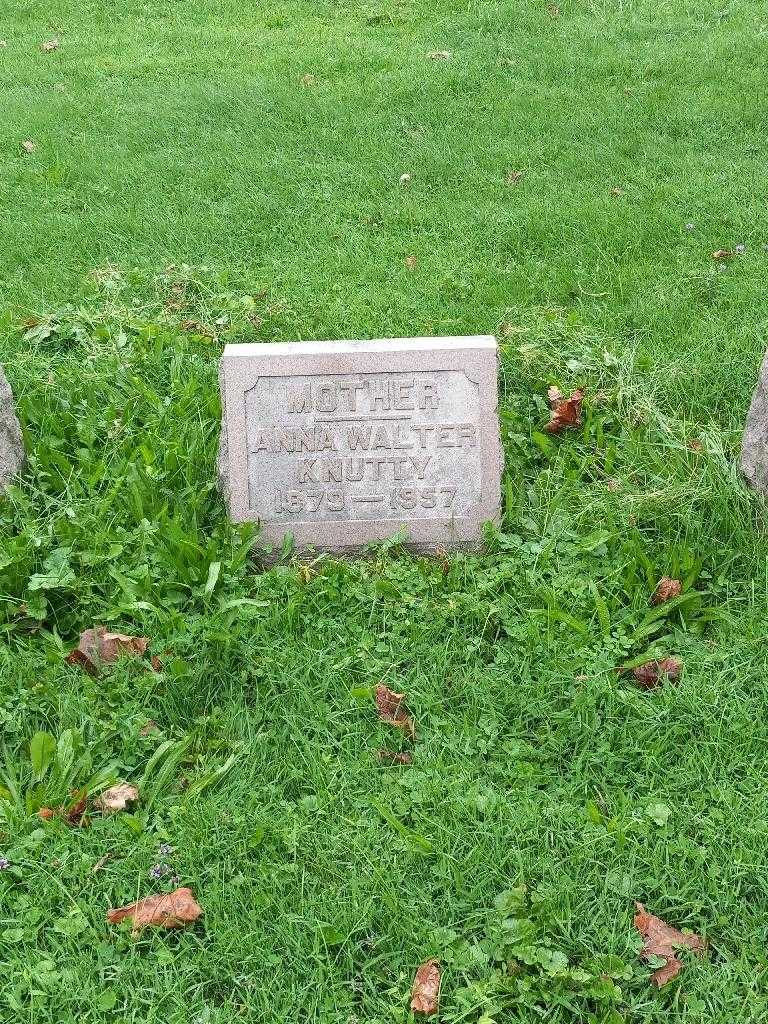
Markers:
(425, 994)
(165, 910)
(116, 798)
(666, 589)
(394, 756)
(722, 254)
(28, 146)
(50, 45)
(565, 412)
(392, 709)
(653, 673)
(661, 940)
(98, 647)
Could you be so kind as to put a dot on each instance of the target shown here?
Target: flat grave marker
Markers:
(343, 443)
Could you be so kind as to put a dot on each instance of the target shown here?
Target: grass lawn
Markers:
(222, 171)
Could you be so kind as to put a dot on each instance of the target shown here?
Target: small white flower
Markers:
(405, 179)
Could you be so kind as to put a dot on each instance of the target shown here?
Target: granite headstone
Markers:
(343, 443)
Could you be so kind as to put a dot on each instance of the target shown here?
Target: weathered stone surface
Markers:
(11, 443)
(344, 443)
(754, 445)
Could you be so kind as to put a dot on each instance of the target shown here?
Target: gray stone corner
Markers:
(754, 445)
(12, 455)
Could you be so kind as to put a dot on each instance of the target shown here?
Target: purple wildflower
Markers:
(157, 871)
(4, 863)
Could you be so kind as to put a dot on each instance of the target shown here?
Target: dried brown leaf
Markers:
(392, 709)
(116, 798)
(666, 589)
(75, 814)
(662, 940)
(564, 412)
(164, 910)
(722, 254)
(514, 176)
(653, 673)
(425, 994)
(439, 54)
(99, 647)
(394, 756)
(553, 11)
(28, 146)
(410, 262)
(49, 45)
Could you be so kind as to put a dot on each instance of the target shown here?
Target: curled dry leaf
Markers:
(410, 262)
(394, 756)
(662, 940)
(392, 709)
(565, 412)
(165, 910)
(653, 673)
(553, 11)
(439, 54)
(666, 589)
(49, 45)
(116, 798)
(514, 176)
(98, 647)
(425, 994)
(722, 254)
(616, 191)
(74, 813)
(28, 146)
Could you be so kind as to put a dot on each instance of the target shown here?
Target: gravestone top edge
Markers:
(458, 342)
